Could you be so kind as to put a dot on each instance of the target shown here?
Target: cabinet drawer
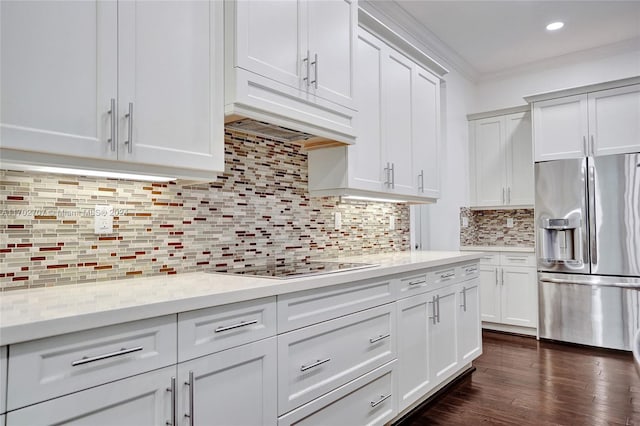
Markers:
(444, 276)
(517, 259)
(320, 358)
(55, 366)
(304, 308)
(414, 284)
(210, 330)
(490, 259)
(369, 400)
(468, 270)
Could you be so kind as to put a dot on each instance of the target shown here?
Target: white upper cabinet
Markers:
(291, 63)
(134, 81)
(501, 160)
(601, 119)
(398, 128)
(59, 73)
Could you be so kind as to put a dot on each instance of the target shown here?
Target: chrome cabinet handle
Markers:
(464, 299)
(421, 184)
(502, 277)
(315, 364)
(593, 146)
(112, 124)
(418, 282)
(584, 144)
(504, 196)
(382, 399)
(393, 176)
(496, 271)
(306, 61)
(509, 195)
(123, 351)
(315, 68)
(129, 141)
(172, 389)
(190, 384)
(387, 176)
(438, 303)
(517, 258)
(380, 337)
(471, 270)
(447, 275)
(234, 326)
(433, 310)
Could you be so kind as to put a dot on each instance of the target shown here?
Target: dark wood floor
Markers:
(520, 381)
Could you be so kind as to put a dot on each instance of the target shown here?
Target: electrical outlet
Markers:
(103, 220)
(392, 223)
(509, 222)
(337, 221)
(465, 222)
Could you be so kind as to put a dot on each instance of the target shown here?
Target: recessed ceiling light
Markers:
(555, 26)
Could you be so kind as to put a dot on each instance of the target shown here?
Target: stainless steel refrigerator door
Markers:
(614, 186)
(589, 309)
(561, 193)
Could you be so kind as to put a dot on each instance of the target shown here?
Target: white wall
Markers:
(579, 69)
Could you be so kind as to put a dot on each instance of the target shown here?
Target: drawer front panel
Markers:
(468, 271)
(313, 306)
(490, 259)
(369, 400)
(55, 366)
(444, 276)
(320, 358)
(210, 330)
(414, 284)
(517, 259)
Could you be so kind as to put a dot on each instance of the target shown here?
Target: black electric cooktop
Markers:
(293, 270)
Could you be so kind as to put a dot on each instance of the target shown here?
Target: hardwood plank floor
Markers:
(521, 381)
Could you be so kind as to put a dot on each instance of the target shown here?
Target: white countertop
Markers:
(499, 248)
(37, 313)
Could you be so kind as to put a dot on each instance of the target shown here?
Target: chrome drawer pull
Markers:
(172, 389)
(123, 351)
(190, 384)
(471, 270)
(448, 275)
(382, 399)
(315, 364)
(417, 282)
(231, 327)
(518, 258)
(380, 337)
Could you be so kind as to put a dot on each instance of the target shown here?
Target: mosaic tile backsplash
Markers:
(258, 210)
(489, 228)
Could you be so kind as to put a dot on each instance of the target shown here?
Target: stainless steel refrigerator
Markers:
(587, 218)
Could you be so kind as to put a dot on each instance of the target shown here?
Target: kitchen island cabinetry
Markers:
(80, 86)
(508, 292)
(501, 159)
(600, 119)
(292, 64)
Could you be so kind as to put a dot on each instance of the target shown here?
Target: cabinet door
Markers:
(139, 400)
(170, 69)
(426, 132)
(443, 335)
(490, 296)
(490, 156)
(232, 387)
(519, 296)
(271, 39)
(519, 159)
(332, 37)
(414, 377)
(59, 74)
(470, 332)
(397, 119)
(366, 156)
(560, 128)
(614, 120)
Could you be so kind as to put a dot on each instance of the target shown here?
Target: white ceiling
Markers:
(493, 36)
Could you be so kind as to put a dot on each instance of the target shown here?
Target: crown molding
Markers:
(404, 24)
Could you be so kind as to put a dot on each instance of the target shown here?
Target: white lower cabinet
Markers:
(508, 292)
(469, 331)
(443, 331)
(317, 359)
(368, 400)
(139, 400)
(232, 387)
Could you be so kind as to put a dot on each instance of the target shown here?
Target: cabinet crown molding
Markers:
(582, 89)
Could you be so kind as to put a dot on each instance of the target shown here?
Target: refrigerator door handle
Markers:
(593, 231)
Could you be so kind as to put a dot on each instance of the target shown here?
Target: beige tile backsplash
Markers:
(489, 228)
(258, 209)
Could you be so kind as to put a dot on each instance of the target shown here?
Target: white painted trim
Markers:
(527, 331)
(497, 112)
(582, 89)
